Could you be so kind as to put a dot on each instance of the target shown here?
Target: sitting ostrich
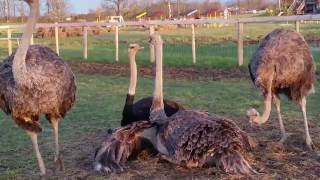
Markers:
(35, 81)
(284, 64)
(187, 138)
(140, 110)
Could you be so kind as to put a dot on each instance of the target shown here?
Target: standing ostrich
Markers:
(140, 110)
(188, 138)
(283, 63)
(35, 81)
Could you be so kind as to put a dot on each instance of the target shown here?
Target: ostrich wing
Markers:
(120, 145)
(197, 139)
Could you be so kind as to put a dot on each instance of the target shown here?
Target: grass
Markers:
(216, 47)
(99, 104)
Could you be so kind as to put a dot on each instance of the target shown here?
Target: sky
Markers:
(83, 6)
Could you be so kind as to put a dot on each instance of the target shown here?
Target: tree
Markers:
(58, 9)
(22, 9)
(119, 6)
(7, 8)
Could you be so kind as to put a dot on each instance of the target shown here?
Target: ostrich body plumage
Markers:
(52, 92)
(284, 56)
(140, 110)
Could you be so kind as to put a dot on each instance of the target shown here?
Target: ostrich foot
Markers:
(58, 164)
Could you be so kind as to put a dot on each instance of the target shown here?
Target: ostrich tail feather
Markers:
(234, 163)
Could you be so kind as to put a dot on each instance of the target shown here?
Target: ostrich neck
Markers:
(262, 119)
(157, 104)
(19, 68)
(267, 110)
(133, 73)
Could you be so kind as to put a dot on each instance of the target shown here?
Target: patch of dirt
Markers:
(191, 73)
(274, 161)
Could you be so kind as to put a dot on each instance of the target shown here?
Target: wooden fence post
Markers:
(9, 42)
(152, 56)
(297, 26)
(240, 44)
(32, 40)
(194, 60)
(56, 32)
(85, 43)
(117, 43)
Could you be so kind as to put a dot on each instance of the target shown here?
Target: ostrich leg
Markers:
(57, 160)
(34, 139)
(276, 101)
(309, 142)
(267, 107)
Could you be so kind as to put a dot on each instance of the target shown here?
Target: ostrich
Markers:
(283, 63)
(35, 81)
(141, 109)
(187, 138)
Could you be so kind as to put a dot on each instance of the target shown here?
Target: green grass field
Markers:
(99, 105)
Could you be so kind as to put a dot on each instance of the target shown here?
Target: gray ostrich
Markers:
(35, 81)
(284, 64)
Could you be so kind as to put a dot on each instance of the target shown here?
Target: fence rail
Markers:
(239, 30)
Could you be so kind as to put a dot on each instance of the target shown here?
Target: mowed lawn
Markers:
(99, 105)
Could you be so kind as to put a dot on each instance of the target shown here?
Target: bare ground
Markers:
(273, 161)
(191, 73)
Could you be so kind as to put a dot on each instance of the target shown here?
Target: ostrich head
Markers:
(134, 48)
(34, 5)
(254, 117)
(155, 39)
(28, 1)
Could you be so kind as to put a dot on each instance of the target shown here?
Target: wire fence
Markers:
(217, 41)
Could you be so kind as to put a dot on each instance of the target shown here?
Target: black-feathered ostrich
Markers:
(283, 63)
(140, 110)
(188, 138)
(35, 81)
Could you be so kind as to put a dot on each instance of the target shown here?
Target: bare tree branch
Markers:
(58, 9)
(119, 6)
